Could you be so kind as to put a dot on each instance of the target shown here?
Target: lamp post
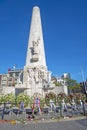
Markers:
(85, 86)
(84, 83)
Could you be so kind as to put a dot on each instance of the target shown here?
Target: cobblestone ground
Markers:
(63, 125)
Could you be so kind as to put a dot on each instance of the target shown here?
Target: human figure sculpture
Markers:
(30, 74)
(20, 79)
(42, 75)
(49, 76)
(35, 46)
(36, 75)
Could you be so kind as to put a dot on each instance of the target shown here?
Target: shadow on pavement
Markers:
(82, 122)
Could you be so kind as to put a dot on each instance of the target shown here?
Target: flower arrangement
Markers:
(62, 96)
(77, 97)
(22, 98)
(50, 96)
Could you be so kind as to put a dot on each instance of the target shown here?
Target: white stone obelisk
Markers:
(36, 75)
(36, 35)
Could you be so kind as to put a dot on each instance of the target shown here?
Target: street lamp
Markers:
(85, 86)
(84, 83)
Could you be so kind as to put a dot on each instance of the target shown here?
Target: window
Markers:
(17, 74)
(10, 74)
(10, 79)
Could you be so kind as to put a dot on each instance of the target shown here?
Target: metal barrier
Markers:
(44, 113)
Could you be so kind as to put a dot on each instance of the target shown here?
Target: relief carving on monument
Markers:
(36, 79)
(42, 74)
(36, 75)
(30, 75)
(20, 79)
(33, 75)
(35, 50)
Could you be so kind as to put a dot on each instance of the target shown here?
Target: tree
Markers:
(58, 84)
(73, 86)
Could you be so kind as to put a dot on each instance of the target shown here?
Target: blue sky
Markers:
(64, 25)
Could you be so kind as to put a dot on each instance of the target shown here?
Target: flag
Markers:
(9, 69)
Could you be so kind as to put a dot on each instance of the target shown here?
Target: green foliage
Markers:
(50, 96)
(10, 98)
(22, 98)
(72, 85)
(1, 99)
(62, 96)
(71, 82)
(77, 97)
(57, 84)
(31, 101)
(42, 102)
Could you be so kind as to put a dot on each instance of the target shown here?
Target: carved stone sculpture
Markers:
(35, 46)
